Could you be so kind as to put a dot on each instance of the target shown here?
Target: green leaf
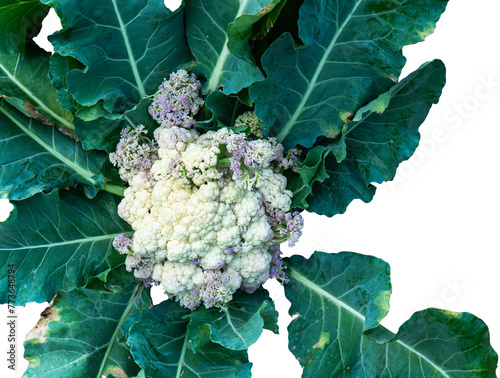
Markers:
(59, 68)
(378, 143)
(104, 134)
(224, 110)
(312, 168)
(57, 241)
(352, 53)
(340, 300)
(80, 334)
(25, 76)
(251, 25)
(128, 48)
(207, 34)
(37, 157)
(239, 326)
(433, 343)
(21, 20)
(158, 340)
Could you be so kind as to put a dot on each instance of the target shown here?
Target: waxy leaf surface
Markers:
(80, 334)
(381, 136)
(57, 241)
(158, 340)
(36, 157)
(129, 47)
(26, 77)
(352, 54)
(21, 20)
(340, 299)
(207, 33)
(239, 326)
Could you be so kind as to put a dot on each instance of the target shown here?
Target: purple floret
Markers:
(123, 243)
(216, 291)
(294, 226)
(195, 261)
(176, 102)
(276, 269)
(132, 156)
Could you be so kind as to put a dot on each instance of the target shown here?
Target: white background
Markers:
(437, 223)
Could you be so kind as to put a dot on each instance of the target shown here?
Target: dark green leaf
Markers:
(21, 20)
(104, 134)
(57, 241)
(432, 343)
(37, 157)
(340, 299)
(352, 53)
(158, 340)
(251, 25)
(80, 334)
(60, 66)
(378, 143)
(25, 76)
(206, 29)
(239, 326)
(312, 169)
(224, 110)
(129, 47)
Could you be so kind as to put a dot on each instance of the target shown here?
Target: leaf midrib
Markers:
(313, 287)
(82, 172)
(68, 242)
(180, 364)
(131, 59)
(221, 61)
(62, 121)
(291, 122)
(135, 294)
(234, 329)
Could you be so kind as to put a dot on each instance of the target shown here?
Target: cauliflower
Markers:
(207, 210)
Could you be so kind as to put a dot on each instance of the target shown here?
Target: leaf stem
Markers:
(137, 291)
(114, 189)
(181, 358)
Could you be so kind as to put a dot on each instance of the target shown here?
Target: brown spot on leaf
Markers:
(264, 10)
(33, 113)
(40, 329)
(118, 372)
(71, 134)
(349, 118)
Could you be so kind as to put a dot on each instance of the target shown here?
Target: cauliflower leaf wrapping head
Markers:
(208, 210)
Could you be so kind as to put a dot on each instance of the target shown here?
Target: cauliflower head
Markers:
(207, 210)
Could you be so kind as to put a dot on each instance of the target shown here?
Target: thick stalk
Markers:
(114, 189)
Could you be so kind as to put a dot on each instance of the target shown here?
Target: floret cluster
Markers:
(208, 210)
